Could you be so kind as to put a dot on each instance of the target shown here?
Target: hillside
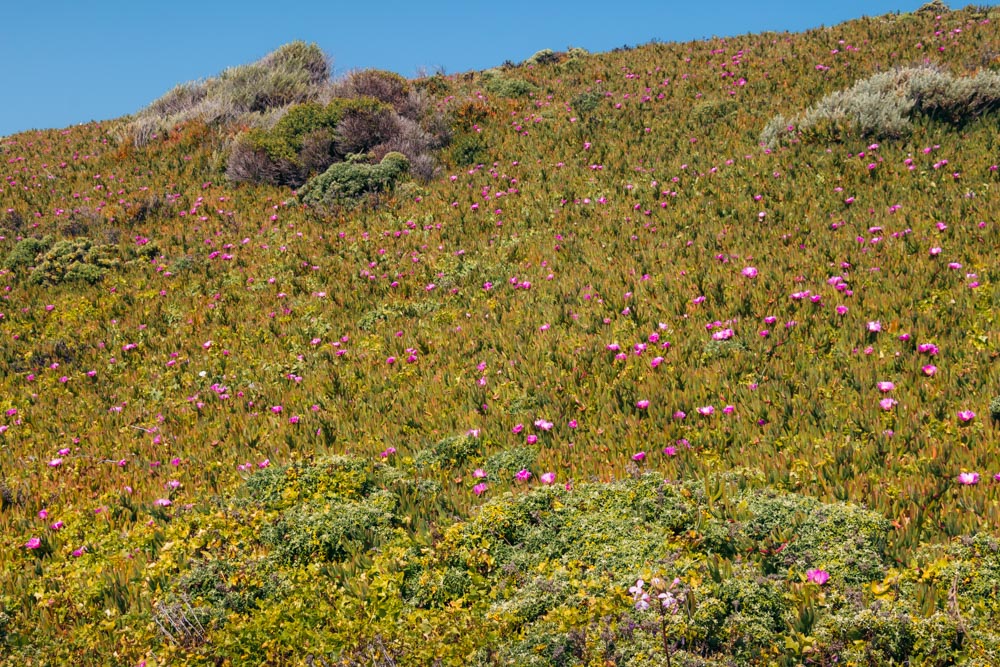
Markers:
(681, 354)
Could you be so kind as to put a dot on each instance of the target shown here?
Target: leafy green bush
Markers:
(307, 139)
(503, 86)
(25, 253)
(77, 260)
(344, 182)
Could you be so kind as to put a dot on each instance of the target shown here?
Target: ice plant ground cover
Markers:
(614, 338)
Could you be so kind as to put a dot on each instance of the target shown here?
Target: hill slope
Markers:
(456, 418)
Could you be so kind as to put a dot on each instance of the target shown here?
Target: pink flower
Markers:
(885, 386)
(523, 475)
(706, 411)
(722, 334)
(58, 525)
(817, 576)
(55, 463)
(548, 478)
(642, 405)
(479, 473)
(163, 502)
(750, 272)
(887, 403)
(679, 415)
(573, 423)
(479, 489)
(33, 543)
(968, 478)
(639, 456)
(927, 348)
(929, 370)
(875, 326)
(841, 310)
(966, 416)
(670, 451)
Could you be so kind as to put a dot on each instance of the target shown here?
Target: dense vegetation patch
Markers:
(613, 339)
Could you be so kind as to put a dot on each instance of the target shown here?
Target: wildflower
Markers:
(927, 348)
(573, 423)
(670, 451)
(929, 370)
(58, 525)
(33, 543)
(841, 310)
(966, 416)
(817, 576)
(887, 403)
(523, 475)
(706, 411)
(875, 326)
(750, 272)
(163, 502)
(479, 489)
(885, 386)
(479, 473)
(640, 596)
(968, 478)
(642, 405)
(722, 334)
(639, 457)
(679, 415)
(548, 478)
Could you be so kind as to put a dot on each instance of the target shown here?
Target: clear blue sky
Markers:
(64, 62)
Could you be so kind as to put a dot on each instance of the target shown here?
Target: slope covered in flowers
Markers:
(610, 279)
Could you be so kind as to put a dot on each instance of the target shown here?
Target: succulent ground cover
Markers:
(589, 360)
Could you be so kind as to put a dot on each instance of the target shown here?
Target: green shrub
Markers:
(468, 150)
(882, 105)
(502, 86)
(543, 57)
(344, 182)
(79, 260)
(995, 409)
(586, 102)
(25, 253)
(309, 138)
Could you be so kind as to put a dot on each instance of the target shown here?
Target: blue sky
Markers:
(64, 62)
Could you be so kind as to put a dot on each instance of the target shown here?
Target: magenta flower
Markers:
(479, 473)
(523, 475)
(874, 326)
(966, 416)
(642, 404)
(479, 489)
(33, 543)
(670, 451)
(927, 348)
(548, 478)
(679, 415)
(706, 411)
(163, 502)
(968, 478)
(639, 456)
(885, 386)
(887, 403)
(929, 370)
(818, 576)
(750, 272)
